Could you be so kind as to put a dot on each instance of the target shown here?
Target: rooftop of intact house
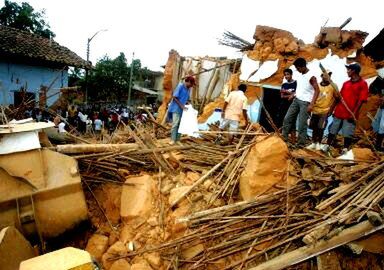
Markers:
(20, 44)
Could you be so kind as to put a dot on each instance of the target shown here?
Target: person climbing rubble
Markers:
(177, 106)
(323, 108)
(306, 95)
(235, 105)
(353, 94)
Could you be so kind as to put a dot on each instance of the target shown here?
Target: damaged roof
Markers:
(20, 44)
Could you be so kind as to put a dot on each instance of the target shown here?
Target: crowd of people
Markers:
(91, 117)
(305, 103)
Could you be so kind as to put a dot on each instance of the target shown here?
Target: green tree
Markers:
(109, 79)
(24, 17)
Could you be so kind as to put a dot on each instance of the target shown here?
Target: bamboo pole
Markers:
(95, 148)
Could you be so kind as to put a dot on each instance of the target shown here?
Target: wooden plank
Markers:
(95, 148)
(12, 128)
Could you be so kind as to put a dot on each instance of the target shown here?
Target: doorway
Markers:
(271, 101)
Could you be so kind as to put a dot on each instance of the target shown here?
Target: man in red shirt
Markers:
(354, 93)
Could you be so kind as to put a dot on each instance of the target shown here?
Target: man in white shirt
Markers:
(82, 123)
(235, 105)
(307, 91)
(62, 127)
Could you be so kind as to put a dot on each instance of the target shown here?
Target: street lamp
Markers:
(130, 80)
(86, 71)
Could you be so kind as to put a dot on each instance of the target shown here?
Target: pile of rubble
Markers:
(201, 205)
(196, 217)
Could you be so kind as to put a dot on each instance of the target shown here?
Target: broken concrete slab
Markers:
(14, 249)
(136, 198)
(97, 245)
(63, 259)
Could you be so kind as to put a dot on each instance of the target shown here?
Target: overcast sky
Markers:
(151, 28)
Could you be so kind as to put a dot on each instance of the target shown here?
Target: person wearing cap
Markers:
(235, 105)
(307, 91)
(353, 93)
(177, 106)
(323, 108)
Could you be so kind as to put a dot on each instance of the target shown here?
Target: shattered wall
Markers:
(169, 82)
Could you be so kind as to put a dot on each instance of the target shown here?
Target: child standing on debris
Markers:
(322, 109)
(307, 92)
(177, 106)
(353, 93)
(235, 105)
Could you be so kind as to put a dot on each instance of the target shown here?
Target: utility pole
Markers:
(86, 71)
(130, 80)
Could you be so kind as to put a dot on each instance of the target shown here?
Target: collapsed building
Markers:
(253, 205)
(262, 68)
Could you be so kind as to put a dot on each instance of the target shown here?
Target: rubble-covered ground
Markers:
(140, 219)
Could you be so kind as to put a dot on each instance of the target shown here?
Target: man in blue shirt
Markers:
(177, 106)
